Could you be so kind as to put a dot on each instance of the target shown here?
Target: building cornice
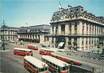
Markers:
(76, 35)
(80, 18)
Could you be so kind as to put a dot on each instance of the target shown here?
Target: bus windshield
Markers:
(43, 69)
(64, 68)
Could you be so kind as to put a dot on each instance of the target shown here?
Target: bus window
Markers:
(43, 69)
(64, 68)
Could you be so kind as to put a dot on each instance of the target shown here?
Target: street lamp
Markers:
(3, 45)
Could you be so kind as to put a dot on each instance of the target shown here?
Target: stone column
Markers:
(50, 40)
(51, 30)
(72, 40)
(84, 42)
(88, 29)
(67, 40)
(96, 30)
(59, 29)
(78, 42)
(85, 30)
(79, 28)
(72, 28)
(42, 38)
(66, 29)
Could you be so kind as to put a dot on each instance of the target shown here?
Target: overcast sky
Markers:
(35, 12)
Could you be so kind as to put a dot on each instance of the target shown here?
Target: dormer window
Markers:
(77, 9)
(71, 11)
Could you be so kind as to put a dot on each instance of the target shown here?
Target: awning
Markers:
(60, 44)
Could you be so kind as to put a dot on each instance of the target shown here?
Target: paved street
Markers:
(10, 63)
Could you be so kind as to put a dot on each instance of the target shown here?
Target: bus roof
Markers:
(49, 49)
(24, 49)
(35, 62)
(55, 61)
(32, 44)
(53, 49)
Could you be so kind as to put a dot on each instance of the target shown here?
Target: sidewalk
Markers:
(97, 68)
(4, 50)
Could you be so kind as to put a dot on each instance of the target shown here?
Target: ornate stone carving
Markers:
(75, 12)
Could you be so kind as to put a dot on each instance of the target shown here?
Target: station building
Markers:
(34, 33)
(8, 33)
(77, 28)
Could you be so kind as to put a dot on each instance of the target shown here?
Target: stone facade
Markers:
(34, 33)
(76, 27)
(8, 33)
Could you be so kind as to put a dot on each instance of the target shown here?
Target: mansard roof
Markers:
(74, 13)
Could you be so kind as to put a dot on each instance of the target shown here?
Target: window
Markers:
(83, 29)
(63, 29)
(42, 69)
(86, 41)
(64, 68)
(77, 9)
(52, 28)
(75, 28)
(56, 29)
(52, 40)
(82, 42)
(92, 41)
(89, 41)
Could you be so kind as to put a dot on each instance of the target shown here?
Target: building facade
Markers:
(77, 28)
(8, 33)
(34, 33)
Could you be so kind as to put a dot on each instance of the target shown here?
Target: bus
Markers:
(34, 65)
(22, 51)
(32, 46)
(65, 59)
(46, 51)
(56, 65)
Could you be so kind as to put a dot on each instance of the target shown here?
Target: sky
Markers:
(19, 13)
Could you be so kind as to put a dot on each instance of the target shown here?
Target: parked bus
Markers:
(56, 65)
(34, 65)
(46, 51)
(22, 51)
(32, 46)
(65, 59)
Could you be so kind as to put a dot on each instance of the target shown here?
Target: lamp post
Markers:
(3, 45)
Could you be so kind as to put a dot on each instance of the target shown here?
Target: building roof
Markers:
(5, 27)
(74, 13)
(35, 62)
(55, 61)
(35, 29)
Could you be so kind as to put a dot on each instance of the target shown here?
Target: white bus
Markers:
(56, 65)
(46, 51)
(32, 46)
(34, 65)
(49, 50)
(22, 51)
